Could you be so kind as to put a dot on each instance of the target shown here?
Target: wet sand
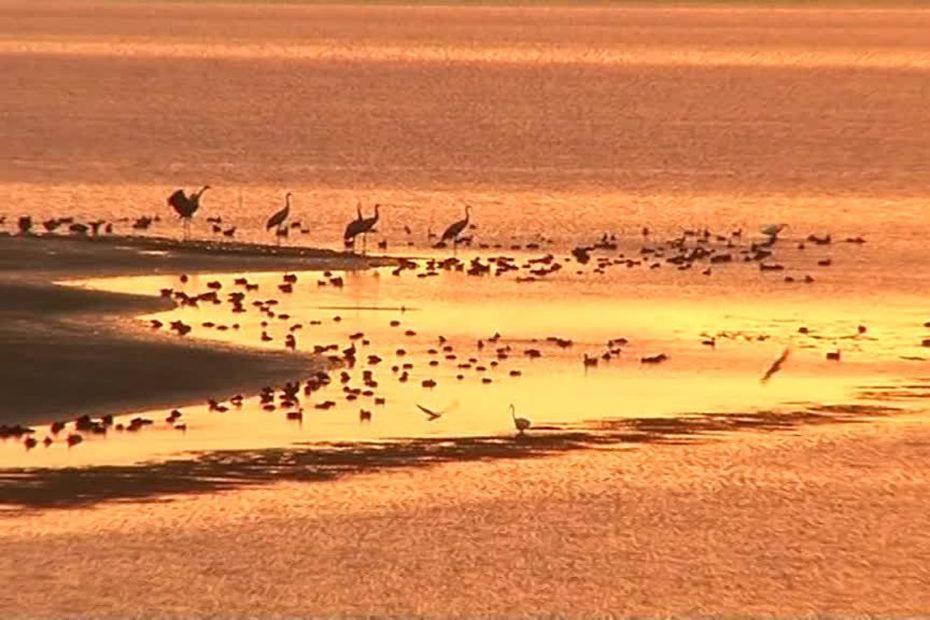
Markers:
(70, 351)
(833, 520)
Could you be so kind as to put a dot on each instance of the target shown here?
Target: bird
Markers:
(776, 366)
(522, 424)
(278, 218)
(360, 226)
(430, 414)
(457, 228)
(772, 230)
(185, 206)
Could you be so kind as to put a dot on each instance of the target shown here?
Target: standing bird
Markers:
(522, 424)
(276, 220)
(457, 228)
(186, 206)
(361, 226)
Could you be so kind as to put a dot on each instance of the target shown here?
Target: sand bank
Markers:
(70, 351)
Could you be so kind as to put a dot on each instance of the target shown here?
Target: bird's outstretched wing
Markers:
(432, 415)
(776, 366)
(178, 201)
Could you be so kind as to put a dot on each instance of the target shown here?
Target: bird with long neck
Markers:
(368, 225)
(521, 424)
(186, 206)
(457, 228)
(276, 220)
(360, 226)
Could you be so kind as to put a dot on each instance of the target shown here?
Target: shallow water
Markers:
(557, 125)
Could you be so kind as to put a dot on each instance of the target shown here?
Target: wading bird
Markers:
(276, 220)
(186, 206)
(522, 424)
(361, 226)
(457, 228)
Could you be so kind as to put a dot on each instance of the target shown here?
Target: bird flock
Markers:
(354, 370)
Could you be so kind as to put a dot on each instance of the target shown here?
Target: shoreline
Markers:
(829, 521)
(68, 350)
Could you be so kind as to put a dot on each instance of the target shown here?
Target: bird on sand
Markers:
(457, 228)
(276, 220)
(185, 206)
(521, 424)
(776, 366)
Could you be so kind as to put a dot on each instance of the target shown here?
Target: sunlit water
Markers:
(443, 327)
(589, 121)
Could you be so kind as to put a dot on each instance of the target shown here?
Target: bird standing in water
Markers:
(185, 206)
(360, 226)
(276, 220)
(455, 229)
(521, 424)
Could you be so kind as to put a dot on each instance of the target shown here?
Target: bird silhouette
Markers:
(276, 220)
(185, 206)
(522, 424)
(776, 366)
(433, 415)
(457, 228)
(360, 226)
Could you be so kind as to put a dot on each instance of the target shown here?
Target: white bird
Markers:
(522, 424)
(772, 230)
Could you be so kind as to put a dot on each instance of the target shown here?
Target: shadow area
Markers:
(32, 489)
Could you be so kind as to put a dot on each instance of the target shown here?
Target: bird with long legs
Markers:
(361, 226)
(278, 219)
(521, 424)
(455, 229)
(185, 206)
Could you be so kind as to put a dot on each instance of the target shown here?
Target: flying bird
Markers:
(776, 366)
(430, 414)
(185, 206)
(433, 415)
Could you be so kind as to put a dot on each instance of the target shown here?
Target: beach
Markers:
(67, 350)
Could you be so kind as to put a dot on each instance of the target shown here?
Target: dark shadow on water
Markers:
(24, 489)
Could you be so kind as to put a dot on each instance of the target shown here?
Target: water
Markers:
(557, 125)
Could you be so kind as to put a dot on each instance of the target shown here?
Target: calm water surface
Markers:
(555, 124)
